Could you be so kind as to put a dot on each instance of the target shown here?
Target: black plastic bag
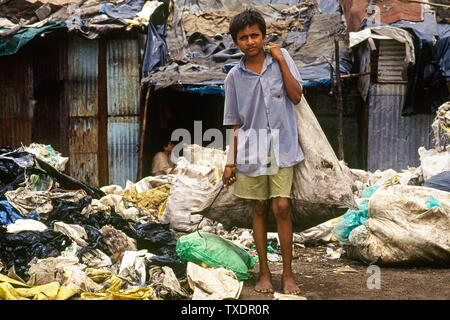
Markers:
(67, 182)
(178, 266)
(18, 249)
(440, 181)
(95, 241)
(69, 212)
(157, 238)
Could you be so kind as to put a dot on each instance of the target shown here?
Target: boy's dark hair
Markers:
(164, 140)
(248, 17)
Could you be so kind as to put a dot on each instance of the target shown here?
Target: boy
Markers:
(260, 94)
(162, 161)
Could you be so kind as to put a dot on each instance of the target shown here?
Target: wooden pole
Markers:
(340, 104)
(142, 134)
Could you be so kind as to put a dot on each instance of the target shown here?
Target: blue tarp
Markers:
(156, 50)
(204, 90)
(125, 10)
(328, 6)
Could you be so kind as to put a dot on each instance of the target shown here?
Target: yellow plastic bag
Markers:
(112, 292)
(50, 291)
(7, 292)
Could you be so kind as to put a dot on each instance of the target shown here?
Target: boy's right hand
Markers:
(228, 176)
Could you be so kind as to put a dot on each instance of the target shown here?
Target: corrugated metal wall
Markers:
(393, 140)
(82, 100)
(16, 100)
(87, 104)
(122, 74)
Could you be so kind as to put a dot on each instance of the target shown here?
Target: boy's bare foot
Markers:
(289, 286)
(264, 284)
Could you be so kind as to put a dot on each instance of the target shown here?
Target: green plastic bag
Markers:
(215, 252)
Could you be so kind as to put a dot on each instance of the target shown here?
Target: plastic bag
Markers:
(18, 249)
(434, 162)
(8, 214)
(213, 284)
(50, 291)
(404, 228)
(440, 181)
(354, 218)
(215, 252)
(112, 291)
(194, 184)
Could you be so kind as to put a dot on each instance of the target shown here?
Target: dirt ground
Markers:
(321, 278)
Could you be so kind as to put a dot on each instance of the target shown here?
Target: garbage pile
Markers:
(402, 217)
(406, 221)
(61, 238)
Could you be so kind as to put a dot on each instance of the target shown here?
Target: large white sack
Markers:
(190, 189)
(433, 162)
(321, 189)
(402, 229)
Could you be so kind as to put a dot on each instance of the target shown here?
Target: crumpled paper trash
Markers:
(117, 241)
(26, 225)
(67, 271)
(119, 204)
(283, 296)
(214, 283)
(164, 280)
(73, 231)
(133, 266)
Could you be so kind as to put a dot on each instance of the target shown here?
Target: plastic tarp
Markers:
(210, 52)
(12, 43)
(156, 51)
(443, 52)
(328, 6)
(204, 90)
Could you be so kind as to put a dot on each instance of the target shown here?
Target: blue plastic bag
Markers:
(433, 202)
(9, 215)
(354, 218)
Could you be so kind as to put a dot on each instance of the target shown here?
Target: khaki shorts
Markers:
(264, 187)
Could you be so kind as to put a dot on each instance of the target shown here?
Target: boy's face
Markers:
(169, 147)
(250, 40)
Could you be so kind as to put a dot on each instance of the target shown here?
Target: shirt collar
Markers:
(267, 61)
